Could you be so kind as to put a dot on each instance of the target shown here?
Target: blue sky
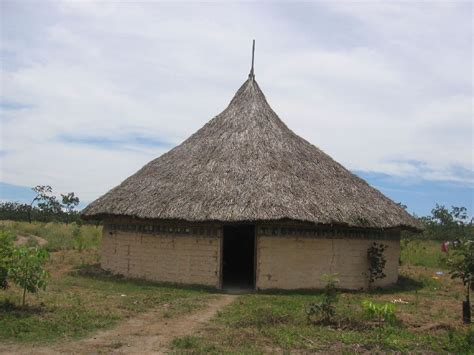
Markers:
(91, 91)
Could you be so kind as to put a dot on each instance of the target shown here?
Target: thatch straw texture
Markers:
(247, 165)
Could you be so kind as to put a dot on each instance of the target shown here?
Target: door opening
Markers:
(238, 262)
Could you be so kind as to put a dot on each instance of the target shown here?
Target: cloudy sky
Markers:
(90, 92)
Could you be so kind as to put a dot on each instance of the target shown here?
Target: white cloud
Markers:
(381, 87)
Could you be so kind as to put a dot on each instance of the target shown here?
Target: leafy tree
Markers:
(27, 269)
(70, 202)
(461, 265)
(50, 206)
(43, 207)
(42, 195)
(6, 250)
(14, 211)
(444, 224)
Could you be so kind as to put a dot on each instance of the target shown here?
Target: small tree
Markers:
(42, 195)
(69, 202)
(377, 261)
(27, 269)
(461, 264)
(50, 206)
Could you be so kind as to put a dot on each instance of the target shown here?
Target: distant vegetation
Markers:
(444, 225)
(448, 225)
(44, 207)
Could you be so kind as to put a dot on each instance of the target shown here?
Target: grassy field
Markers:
(426, 253)
(429, 321)
(59, 236)
(428, 312)
(81, 299)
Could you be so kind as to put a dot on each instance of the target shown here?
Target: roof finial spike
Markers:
(252, 75)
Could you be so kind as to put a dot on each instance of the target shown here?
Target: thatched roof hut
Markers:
(245, 166)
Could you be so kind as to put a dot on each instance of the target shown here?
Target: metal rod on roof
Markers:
(252, 75)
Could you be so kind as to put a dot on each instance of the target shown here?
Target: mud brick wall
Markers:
(286, 257)
(299, 262)
(162, 254)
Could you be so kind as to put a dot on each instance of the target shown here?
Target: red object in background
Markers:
(444, 247)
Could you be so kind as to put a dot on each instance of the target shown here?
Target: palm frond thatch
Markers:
(247, 165)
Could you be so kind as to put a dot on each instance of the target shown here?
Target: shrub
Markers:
(325, 310)
(380, 312)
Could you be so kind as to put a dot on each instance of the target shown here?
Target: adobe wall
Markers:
(286, 257)
(298, 260)
(162, 252)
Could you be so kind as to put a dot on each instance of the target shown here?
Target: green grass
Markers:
(77, 303)
(184, 342)
(276, 322)
(81, 299)
(59, 236)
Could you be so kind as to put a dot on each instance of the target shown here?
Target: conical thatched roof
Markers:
(247, 165)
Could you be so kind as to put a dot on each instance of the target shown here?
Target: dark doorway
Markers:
(238, 262)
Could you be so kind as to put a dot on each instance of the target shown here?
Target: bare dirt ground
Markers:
(148, 333)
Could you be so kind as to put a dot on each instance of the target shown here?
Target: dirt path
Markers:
(148, 333)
